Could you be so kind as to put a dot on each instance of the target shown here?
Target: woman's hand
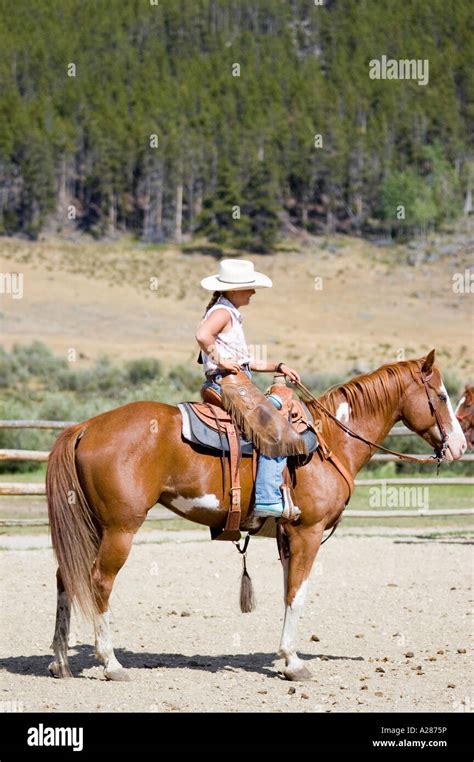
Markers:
(293, 375)
(231, 365)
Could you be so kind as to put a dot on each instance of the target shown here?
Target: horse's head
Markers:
(427, 410)
(465, 414)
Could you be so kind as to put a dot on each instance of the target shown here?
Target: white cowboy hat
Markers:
(236, 275)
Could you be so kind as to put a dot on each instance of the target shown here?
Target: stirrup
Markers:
(291, 512)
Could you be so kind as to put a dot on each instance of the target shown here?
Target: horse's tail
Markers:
(75, 529)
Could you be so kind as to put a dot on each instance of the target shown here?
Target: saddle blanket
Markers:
(195, 431)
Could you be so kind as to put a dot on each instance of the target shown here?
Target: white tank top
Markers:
(231, 343)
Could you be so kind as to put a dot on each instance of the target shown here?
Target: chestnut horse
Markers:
(465, 414)
(106, 473)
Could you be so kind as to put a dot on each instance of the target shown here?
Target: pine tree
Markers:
(218, 220)
(167, 70)
(407, 203)
(260, 211)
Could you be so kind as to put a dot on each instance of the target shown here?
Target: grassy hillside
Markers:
(338, 304)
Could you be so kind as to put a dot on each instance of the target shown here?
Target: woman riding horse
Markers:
(105, 474)
(224, 351)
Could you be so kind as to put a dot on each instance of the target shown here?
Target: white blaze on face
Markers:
(459, 405)
(456, 440)
(342, 412)
(186, 504)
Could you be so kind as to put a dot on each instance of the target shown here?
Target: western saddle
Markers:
(209, 425)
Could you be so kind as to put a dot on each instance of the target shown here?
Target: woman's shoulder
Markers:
(221, 316)
(219, 306)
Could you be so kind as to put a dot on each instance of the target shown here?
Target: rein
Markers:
(437, 458)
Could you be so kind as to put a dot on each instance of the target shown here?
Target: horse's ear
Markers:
(428, 363)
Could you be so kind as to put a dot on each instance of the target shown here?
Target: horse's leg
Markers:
(60, 666)
(113, 553)
(303, 545)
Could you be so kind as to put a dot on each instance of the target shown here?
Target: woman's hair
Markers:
(212, 300)
(215, 296)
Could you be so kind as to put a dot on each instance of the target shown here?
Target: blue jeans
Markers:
(269, 478)
(269, 470)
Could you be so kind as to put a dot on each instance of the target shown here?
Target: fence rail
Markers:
(38, 455)
(167, 516)
(39, 489)
(28, 424)
(41, 456)
(397, 431)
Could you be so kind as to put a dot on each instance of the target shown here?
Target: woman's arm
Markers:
(274, 367)
(207, 334)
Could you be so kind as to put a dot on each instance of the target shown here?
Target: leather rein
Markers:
(440, 451)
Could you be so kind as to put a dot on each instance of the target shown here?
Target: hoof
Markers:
(59, 670)
(119, 675)
(302, 673)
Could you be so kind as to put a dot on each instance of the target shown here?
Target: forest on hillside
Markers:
(233, 119)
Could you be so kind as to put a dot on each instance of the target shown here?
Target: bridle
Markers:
(442, 447)
(440, 450)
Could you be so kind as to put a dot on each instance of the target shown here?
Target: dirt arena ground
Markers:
(386, 628)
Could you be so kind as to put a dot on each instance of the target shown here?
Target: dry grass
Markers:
(94, 297)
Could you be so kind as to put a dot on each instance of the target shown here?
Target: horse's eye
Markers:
(442, 397)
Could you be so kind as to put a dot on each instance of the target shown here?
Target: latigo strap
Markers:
(271, 433)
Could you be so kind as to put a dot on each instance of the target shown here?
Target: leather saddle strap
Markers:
(344, 473)
(288, 477)
(254, 463)
(233, 437)
(327, 454)
(220, 430)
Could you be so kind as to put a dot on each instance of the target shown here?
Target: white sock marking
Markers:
(290, 627)
(103, 643)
